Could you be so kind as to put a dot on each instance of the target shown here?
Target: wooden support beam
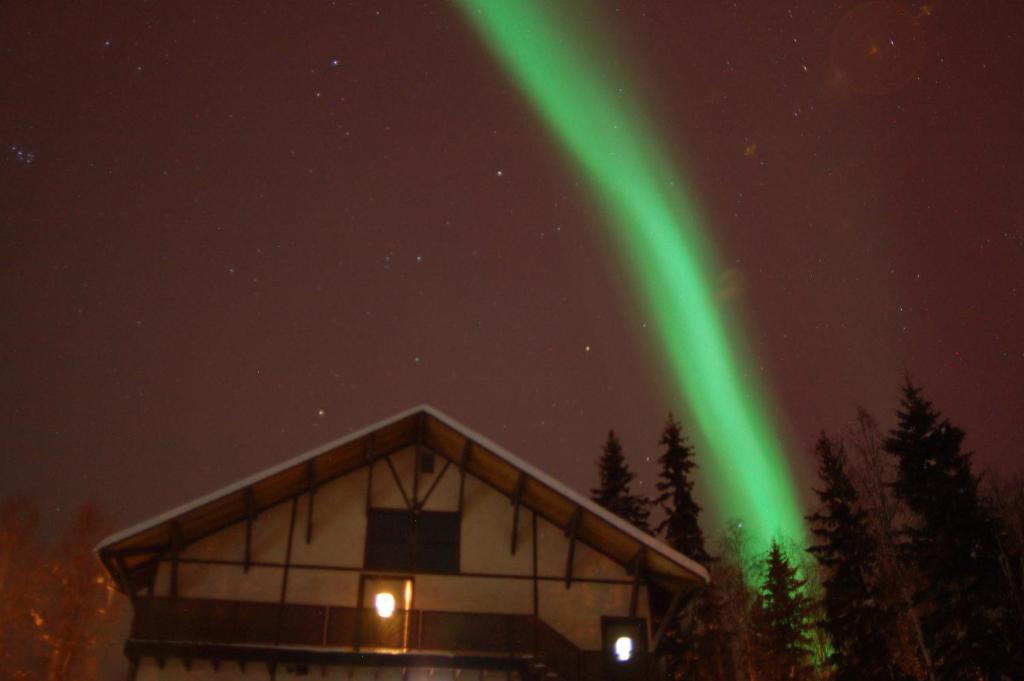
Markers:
(421, 424)
(311, 485)
(517, 494)
(467, 450)
(570, 531)
(284, 575)
(250, 516)
(670, 614)
(433, 485)
(398, 481)
(177, 542)
(123, 576)
(636, 569)
(536, 590)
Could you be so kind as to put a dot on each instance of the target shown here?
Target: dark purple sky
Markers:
(236, 230)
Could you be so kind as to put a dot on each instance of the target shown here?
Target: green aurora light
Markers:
(657, 227)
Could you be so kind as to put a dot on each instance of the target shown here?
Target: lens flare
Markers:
(656, 226)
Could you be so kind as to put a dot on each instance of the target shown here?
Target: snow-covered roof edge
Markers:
(531, 470)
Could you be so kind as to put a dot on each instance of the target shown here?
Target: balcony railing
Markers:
(525, 639)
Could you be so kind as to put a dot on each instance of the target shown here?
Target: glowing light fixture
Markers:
(623, 648)
(385, 604)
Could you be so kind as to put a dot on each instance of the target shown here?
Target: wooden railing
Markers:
(520, 637)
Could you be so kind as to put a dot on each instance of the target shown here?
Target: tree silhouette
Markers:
(953, 542)
(681, 525)
(613, 491)
(853, 616)
(781, 619)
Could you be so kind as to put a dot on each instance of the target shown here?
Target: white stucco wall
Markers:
(339, 537)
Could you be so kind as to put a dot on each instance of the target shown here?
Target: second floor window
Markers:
(403, 541)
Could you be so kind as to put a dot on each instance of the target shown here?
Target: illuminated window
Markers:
(623, 648)
(625, 642)
(385, 604)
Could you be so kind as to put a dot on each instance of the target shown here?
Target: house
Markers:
(413, 548)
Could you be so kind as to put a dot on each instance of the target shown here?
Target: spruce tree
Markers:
(853, 618)
(682, 514)
(953, 542)
(701, 652)
(780, 621)
(613, 491)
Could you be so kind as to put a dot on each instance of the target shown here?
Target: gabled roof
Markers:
(132, 553)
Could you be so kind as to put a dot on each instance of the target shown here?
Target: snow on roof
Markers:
(528, 468)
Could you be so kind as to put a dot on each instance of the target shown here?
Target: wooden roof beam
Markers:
(311, 485)
(177, 543)
(571, 530)
(636, 568)
(250, 516)
(517, 495)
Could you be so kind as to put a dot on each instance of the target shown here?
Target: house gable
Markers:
(295, 539)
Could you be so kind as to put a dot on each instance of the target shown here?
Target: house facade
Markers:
(414, 548)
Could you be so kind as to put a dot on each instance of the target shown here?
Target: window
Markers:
(426, 462)
(624, 644)
(412, 542)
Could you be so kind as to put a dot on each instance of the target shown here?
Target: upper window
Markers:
(402, 541)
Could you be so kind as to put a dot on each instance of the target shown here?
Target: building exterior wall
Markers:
(326, 571)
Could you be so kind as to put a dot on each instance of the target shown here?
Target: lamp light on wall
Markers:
(623, 648)
(385, 604)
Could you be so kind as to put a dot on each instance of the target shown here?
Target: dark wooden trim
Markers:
(570, 531)
(369, 486)
(536, 583)
(250, 516)
(312, 485)
(287, 566)
(463, 468)
(163, 650)
(177, 542)
(347, 568)
(433, 485)
(636, 568)
(517, 494)
(398, 481)
(421, 423)
(357, 629)
(122, 576)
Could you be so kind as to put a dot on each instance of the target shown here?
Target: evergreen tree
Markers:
(780, 621)
(613, 491)
(954, 544)
(853, 618)
(681, 524)
(698, 649)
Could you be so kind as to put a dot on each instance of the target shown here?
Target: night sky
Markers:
(235, 231)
